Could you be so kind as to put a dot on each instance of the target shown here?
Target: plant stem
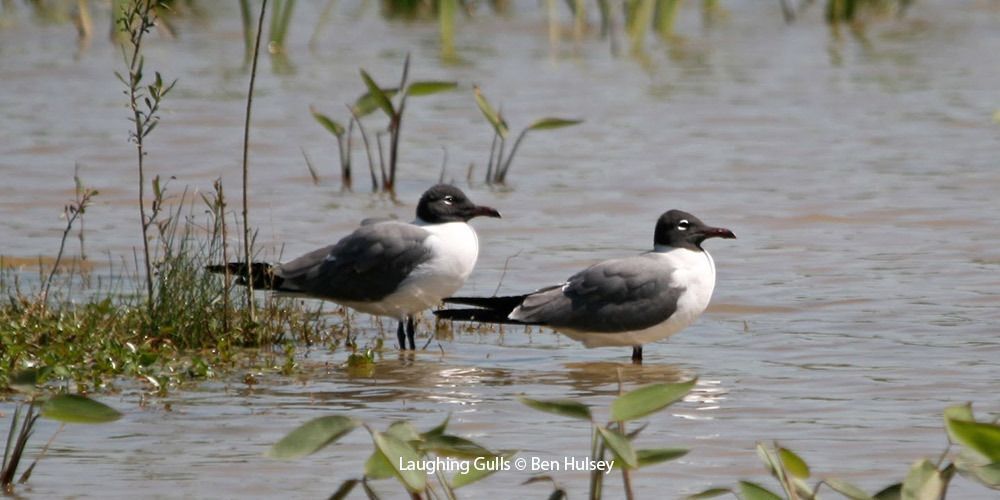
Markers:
(246, 170)
(368, 149)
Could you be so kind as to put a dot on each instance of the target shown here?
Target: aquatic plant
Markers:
(498, 164)
(401, 453)
(61, 407)
(144, 102)
(247, 255)
(979, 460)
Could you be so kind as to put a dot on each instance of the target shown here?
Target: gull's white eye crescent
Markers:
(683, 225)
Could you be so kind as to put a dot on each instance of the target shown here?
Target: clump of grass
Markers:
(499, 162)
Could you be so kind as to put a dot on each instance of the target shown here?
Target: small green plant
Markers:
(400, 452)
(63, 408)
(379, 98)
(979, 460)
(613, 436)
(498, 164)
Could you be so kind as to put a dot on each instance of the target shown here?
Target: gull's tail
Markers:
(261, 274)
(487, 309)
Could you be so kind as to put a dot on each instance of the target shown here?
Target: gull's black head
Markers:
(680, 229)
(447, 203)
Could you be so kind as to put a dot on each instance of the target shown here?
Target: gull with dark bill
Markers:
(385, 267)
(618, 302)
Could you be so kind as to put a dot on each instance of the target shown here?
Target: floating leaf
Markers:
(981, 437)
(312, 436)
(477, 473)
(564, 407)
(381, 99)
(429, 87)
(327, 123)
(368, 103)
(491, 114)
(620, 446)
(658, 455)
(76, 409)
(793, 463)
(926, 482)
(645, 400)
(552, 123)
(399, 455)
(847, 489)
(379, 467)
(710, 493)
(754, 491)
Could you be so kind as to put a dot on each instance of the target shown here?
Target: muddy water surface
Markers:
(860, 299)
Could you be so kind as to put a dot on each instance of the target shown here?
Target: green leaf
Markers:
(438, 429)
(981, 437)
(475, 474)
(891, 492)
(334, 127)
(564, 407)
(658, 455)
(926, 482)
(491, 114)
(988, 475)
(620, 446)
(400, 455)
(793, 463)
(552, 123)
(367, 103)
(454, 446)
(403, 431)
(429, 87)
(379, 467)
(847, 489)
(709, 493)
(645, 400)
(378, 95)
(312, 436)
(754, 491)
(76, 409)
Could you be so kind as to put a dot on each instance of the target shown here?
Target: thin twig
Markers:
(246, 171)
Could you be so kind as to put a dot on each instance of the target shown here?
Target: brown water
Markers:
(860, 299)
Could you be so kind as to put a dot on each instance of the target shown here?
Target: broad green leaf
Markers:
(484, 470)
(429, 87)
(327, 123)
(657, 455)
(438, 429)
(620, 446)
(401, 457)
(552, 123)
(981, 437)
(378, 95)
(891, 492)
(847, 489)
(710, 493)
(645, 400)
(491, 114)
(379, 467)
(793, 463)
(312, 436)
(564, 407)
(770, 461)
(754, 491)
(76, 409)
(367, 103)
(988, 475)
(403, 431)
(925, 482)
(345, 489)
(454, 446)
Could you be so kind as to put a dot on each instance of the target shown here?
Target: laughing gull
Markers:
(385, 267)
(618, 302)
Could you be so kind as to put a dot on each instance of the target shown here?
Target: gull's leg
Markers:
(410, 333)
(401, 336)
(637, 355)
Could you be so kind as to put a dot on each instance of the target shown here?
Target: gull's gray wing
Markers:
(617, 295)
(366, 265)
